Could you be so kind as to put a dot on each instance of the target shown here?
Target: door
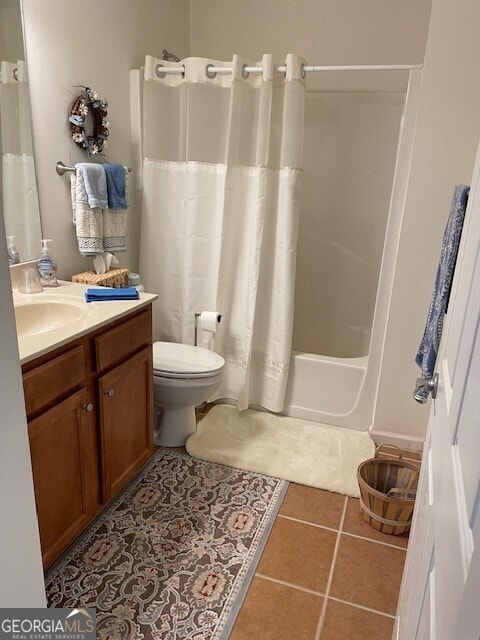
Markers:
(62, 475)
(440, 593)
(126, 420)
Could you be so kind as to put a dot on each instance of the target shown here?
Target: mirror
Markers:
(18, 186)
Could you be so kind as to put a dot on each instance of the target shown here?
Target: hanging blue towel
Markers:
(106, 293)
(428, 350)
(91, 178)
(117, 195)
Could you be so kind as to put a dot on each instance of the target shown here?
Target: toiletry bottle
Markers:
(47, 266)
(13, 257)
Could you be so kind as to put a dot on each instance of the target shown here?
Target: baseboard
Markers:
(408, 443)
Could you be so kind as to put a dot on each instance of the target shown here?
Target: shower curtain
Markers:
(220, 206)
(19, 197)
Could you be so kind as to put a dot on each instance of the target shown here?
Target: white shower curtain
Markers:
(221, 199)
(19, 197)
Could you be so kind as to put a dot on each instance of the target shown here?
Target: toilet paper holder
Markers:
(196, 320)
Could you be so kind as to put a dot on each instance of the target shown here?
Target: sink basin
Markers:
(42, 317)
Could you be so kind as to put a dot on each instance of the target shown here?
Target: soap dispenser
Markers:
(13, 257)
(47, 266)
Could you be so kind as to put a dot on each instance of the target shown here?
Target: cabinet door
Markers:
(126, 420)
(62, 474)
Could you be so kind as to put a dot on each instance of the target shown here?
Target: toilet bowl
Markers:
(183, 377)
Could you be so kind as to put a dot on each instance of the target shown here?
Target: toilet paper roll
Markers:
(209, 320)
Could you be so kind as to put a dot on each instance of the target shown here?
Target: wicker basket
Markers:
(388, 488)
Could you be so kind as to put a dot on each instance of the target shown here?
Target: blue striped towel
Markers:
(428, 350)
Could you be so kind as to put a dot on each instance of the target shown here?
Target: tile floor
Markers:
(325, 574)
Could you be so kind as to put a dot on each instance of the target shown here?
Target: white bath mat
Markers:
(297, 450)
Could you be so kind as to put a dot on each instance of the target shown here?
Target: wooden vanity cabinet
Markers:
(126, 420)
(62, 473)
(90, 424)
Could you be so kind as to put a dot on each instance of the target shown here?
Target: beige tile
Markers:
(344, 622)
(354, 523)
(368, 573)
(299, 554)
(272, 611)
(313, 505)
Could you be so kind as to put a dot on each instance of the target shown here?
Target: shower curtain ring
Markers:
(210, 74)
(302, 71)
(158, 71)
(245, 73)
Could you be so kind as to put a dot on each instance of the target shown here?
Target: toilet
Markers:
(184, 376)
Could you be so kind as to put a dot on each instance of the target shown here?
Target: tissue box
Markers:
(113, 278)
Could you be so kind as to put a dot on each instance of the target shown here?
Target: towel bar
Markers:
(62, 168)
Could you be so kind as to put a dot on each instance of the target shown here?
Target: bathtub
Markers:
(328, 390)
(348, 243)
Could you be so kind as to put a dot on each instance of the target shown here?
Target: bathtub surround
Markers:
(221, 202)
(312, 454)
(173, 556)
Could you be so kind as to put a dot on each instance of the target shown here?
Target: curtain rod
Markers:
(211, 71)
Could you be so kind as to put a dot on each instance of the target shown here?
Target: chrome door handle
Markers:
(109, 392)
(88, 407)
(431, 386)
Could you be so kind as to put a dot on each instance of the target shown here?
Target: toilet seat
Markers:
(174, 360)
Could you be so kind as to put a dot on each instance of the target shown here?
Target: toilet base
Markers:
(174, 426)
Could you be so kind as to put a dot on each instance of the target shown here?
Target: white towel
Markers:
(98, 229)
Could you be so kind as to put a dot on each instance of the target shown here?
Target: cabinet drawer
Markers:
(117, 344)
(49, 381)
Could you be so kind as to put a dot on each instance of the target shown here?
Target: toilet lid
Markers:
(182, 359)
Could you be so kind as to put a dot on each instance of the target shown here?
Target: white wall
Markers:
(11, 37)
(21, 575)
(96, 44)
(322, 31)
(448, 129)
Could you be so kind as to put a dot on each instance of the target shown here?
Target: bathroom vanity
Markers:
(88, 397)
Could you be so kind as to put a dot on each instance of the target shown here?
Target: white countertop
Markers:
(93, 316)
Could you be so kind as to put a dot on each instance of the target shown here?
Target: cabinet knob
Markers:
(88, 407)
(109, 392)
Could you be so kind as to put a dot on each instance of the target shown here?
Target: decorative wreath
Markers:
(86, 103)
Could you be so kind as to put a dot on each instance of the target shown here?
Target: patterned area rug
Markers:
(172, 557)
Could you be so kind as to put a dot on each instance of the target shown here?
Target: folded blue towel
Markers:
(106, 293)
(428, 350)
(117, 196)
(94, 180)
